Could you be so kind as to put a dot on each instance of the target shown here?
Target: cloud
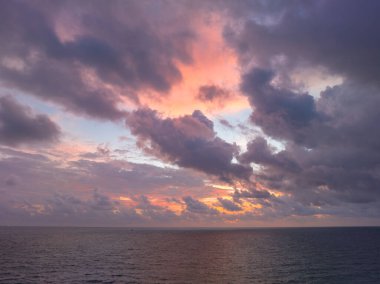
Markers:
(211, 93)
(11, 180)
(226, 123)
(309, 33)
(198, 207)
(107, 58)
(280, 112)
(251, 193)
(154, 212)
(85, 192)
(188, 141)
(102, 202)
(19, 125)
(102, 151)
(65, 209)
(331, 143)
(229, 205)
(128, 178)
(114, 177)
(88, 61)
(259, 152)
(336, 160)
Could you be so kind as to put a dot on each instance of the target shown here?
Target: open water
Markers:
(118, 255)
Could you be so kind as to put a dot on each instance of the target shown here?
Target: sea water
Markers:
(121, 255)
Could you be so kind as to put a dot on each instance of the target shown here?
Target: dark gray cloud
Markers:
(86, 192)
(129, 178)
(112, 176)
(259, 152)
(12, 180)
(188, 141)
(226, 123)
(198, 207)
(19, 125)
(154, 212)
(331, 141)
(102, 202)
(339, 35)
(66, 205)
(229, 205)
(61, 56)
(278, 111)
(330, 163)
(102, 151)
(211, 93)
(251, 193)
(65, 209)
(336, 160)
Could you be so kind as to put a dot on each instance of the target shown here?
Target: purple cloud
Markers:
(198, 207)
(19, 125)
(211, 93)
(310, 33)
(116, 47)
(229, 205)
(281, 113)
(188, 141)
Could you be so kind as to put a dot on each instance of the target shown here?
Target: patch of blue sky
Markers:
(234, 134)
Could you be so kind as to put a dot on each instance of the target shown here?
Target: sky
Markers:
(190, 113)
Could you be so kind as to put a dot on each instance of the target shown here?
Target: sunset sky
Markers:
(190, 113)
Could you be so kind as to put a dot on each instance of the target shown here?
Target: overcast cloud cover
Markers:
(284, 132)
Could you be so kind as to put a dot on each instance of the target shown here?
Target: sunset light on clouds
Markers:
(189, 113)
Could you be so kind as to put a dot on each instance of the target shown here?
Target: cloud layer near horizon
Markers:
(308, 154)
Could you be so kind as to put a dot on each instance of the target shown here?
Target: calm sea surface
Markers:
(104, 255)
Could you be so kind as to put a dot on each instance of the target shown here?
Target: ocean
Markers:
(121, 255)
